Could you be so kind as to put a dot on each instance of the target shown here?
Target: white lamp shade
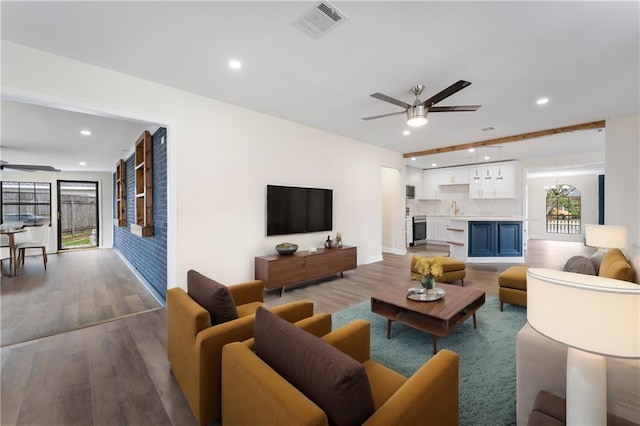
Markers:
(606, 236)
(593, 314)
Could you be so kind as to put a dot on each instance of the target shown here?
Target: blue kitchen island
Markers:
(486, 239)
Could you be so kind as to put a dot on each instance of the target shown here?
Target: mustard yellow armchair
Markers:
(195, 347)
(255, 394)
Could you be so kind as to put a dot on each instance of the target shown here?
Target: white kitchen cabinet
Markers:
(442, 233)
(430, 185)
(453, 176)
(437, 228)
(491, 187)
(415, 178)
(458, 239)
(506, 187)
(481, 187)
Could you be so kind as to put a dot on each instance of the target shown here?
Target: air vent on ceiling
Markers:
(321, 18)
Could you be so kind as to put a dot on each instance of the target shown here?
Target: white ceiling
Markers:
(583, 56)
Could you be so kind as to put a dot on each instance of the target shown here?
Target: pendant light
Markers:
(488, 176)
(476, 177)
(499, 177)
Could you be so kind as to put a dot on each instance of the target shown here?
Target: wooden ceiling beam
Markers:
(508, 139)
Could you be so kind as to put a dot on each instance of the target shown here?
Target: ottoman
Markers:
(513, 286)
(453, 270)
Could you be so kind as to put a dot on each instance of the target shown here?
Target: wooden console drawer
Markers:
(278, 271)
(343, 259)
(318, 265)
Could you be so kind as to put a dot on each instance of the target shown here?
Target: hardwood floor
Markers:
(78, 289)
(357, 286)
(117, 372)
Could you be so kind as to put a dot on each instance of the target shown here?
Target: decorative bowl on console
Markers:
(286, 248)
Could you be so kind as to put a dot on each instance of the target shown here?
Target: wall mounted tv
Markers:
(294, 210)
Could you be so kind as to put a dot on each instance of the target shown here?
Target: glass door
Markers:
(77, 215)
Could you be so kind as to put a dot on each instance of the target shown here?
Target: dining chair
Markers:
(4, 252)
(37, 238)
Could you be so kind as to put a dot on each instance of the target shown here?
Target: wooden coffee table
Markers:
(438, 318)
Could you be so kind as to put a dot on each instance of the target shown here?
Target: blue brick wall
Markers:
(148, 255)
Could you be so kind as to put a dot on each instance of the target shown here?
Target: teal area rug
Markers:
(487, 357)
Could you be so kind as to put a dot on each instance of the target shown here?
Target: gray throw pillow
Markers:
(580, 265)
(334, 381)
(212, 296)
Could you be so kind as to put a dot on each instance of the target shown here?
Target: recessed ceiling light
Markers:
(486, 157)
(433, 164)
(406, 133)
(413, 158)
(472, 149)
(82, 163)
(542, 101)
(85, 132)
(234, 64)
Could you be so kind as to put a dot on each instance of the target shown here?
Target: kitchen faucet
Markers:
(455, 208)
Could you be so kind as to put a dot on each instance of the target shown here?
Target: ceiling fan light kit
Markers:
(417, 113)
(417, 116)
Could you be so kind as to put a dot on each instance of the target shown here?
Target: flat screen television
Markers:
(295, 210)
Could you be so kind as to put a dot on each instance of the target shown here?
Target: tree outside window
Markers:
(563, 208)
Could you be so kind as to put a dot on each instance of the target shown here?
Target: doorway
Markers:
(77, 215)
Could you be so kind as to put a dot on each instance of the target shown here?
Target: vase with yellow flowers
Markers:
(429, 268)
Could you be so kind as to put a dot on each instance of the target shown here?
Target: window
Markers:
(563, 209)
(26, 202)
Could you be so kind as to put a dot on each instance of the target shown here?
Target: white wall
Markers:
(220, 159)
(105, 199)
(536, 209)
(393, 207)
(622, 175)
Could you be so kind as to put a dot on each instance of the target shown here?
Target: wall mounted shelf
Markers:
(121, 194)
(143, 225)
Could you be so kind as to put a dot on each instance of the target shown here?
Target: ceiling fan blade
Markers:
(29, 167)
(383, 115)
(454, 108)
(438, 97)
(391, 100)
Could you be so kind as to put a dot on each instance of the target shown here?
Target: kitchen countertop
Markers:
(484, 218)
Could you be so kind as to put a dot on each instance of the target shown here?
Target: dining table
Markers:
(13, 253)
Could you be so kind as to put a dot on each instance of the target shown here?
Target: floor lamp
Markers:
(595, 317)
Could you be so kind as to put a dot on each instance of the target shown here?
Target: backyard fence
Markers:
(567, 226)
(77, 216)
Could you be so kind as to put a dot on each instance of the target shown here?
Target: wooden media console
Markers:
(279, 271)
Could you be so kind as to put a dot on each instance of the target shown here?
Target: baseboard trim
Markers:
(372, 259)
(394, 251)
(152, 291)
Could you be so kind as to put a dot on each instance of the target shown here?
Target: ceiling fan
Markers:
(417, 113)
(27, 167)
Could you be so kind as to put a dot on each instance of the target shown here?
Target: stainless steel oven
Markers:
(419, 229)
